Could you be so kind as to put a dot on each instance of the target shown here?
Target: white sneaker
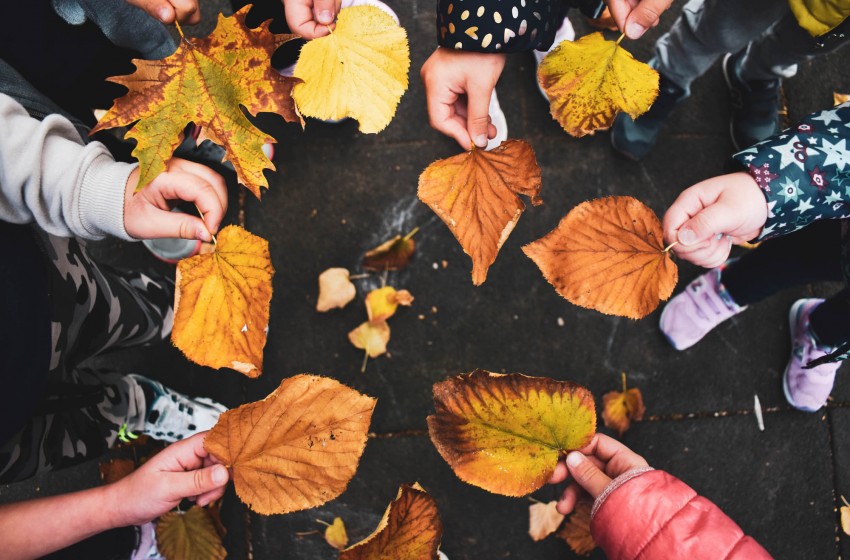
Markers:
(564, 33)
(497, 118)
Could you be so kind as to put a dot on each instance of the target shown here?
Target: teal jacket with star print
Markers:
(804, 173)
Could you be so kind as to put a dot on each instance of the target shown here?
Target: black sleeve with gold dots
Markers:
(504, 25)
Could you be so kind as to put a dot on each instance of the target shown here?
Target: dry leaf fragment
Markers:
(505, 433)
(189, 535)
(335, 289)
(839, 98)
(543, 520)
(576, 531)
(590, 80)
(607, 254)
(475, 194)
(295, 449)
(394, 254)
(221, 303)
(845, 517)
(335, 534)
(381, 304)
(207, 82)
(620, 408)
(410, 530)
(359, 70)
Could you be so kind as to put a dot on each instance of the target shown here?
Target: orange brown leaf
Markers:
(576, 531)
(410, 530)
(543, 520)
(607, 254)
(221, 303)
(475, 194)
(394, 254)
(505, 433)
(620, 408)
(207, 82)
(295, 449)
(189, 535)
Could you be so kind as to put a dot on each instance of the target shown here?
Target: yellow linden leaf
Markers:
(359, 70)
(371, 337)
(221, 303)
(295, 449)
(589, 80)
(620, 408)
(505, 433)
(410, 530)
(382, 303)
(189, 535)
(206, 82)
(335, 289)
(335, 534)
(576, 531)
(543, 520)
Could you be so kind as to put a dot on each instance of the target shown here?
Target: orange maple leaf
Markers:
(620, 408)
(207, 82)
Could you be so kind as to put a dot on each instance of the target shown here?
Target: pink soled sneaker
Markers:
(703, 305)
(807, 389)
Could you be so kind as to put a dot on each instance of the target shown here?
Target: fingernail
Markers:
(687, 237)
(634, 30)
(574, 459)
(164, 14)
(204, 235)
(219, 474)
(480, 140)
(326, 17)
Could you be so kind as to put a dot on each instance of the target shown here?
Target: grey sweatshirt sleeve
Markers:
(48, 176)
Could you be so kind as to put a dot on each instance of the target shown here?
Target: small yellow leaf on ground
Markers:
(475, 194)
(221, 303)
(295, 449)
(505, 433)
(359, 70)
(394, 254)
(207, 82)
(335, 534)
(335, 289)
(410, 530)
(620, 408)
(576, 531)
(607, 254)
(189, 535)
(381, 304)
(590, 80)
(543, 520)
(371, 336)
(839, 98)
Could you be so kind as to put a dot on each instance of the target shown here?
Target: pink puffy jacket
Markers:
(651, 515)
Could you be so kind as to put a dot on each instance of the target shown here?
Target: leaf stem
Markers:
(365, 359)
(358, 276)
(670, 246)
(208, 231)
(843, 499)
(325, 523)
(622, 36)
(411, 234)
(624, 380)
(182, 36)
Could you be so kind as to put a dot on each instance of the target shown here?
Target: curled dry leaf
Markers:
(381, 304)
(607, 254)
(221, 303)
(371, 336)
(295, 449)
(505, 433)
(576, 531)
(189, 535)
(335, 289)
(839, 98)
(394, 254)
(410, 530)
(335, 534)
(475, 194)
(207, 82)
(359, 70)
(543, 520)
(590, 80)
(620, 408)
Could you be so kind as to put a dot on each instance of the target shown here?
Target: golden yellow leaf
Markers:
(505, 433)
(543, 520)
(590, 80)
(608, 254)
(410, 530)
(394, 254)
(335, 289)
(620, 408)
(576, 531)
(475, 194)
(189, 535)
(359, 70)
(295, 449)
(335, 534)
(839, 98)
(208, 82)
(382, 303)
(221, 303)
(371, 336)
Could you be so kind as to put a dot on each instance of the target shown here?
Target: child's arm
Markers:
(166, 11)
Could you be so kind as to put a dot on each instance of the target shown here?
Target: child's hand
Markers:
(458, 86)
(634, 17)
(166, 11)
(311, 18)
(147, 214)
(181, 470)
(710, 216)
(593, 468)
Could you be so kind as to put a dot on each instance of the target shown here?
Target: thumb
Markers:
(478, 115)
(711, 221)
(586, 475)
(178, 224)
(645, 15)
(324, 11)
(200, 481)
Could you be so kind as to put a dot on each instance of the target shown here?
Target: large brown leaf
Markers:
(475, 194)
(295, 449)
(410, 530)
(189, 535)
(608, 254)
(208, 82)
(505, 433)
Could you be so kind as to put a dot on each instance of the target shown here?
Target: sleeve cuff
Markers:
(101, 201)
(616, 483)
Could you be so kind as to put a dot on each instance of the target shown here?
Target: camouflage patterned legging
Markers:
(93, 308)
